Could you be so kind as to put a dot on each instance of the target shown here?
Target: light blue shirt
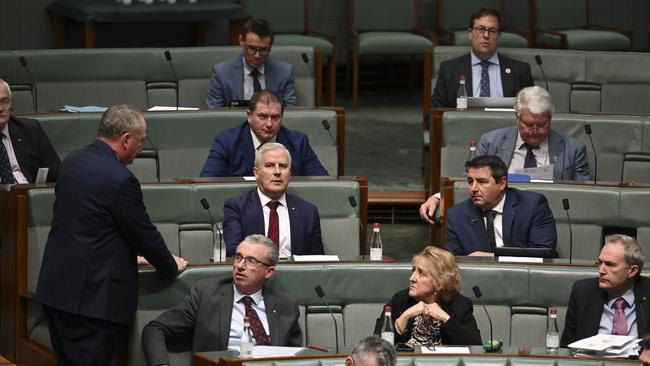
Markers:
(494, 70)
(237, 318)
(607, 319)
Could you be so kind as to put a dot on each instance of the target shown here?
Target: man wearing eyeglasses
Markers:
(243, 75)
(291, 222)
(24, 146)
(211, 316)
(487, 73)
(233, 151)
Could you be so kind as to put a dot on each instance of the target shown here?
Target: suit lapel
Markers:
(556, 153)
(223, 300)
(255, 216)
(293, 222)
(508, 217)
(272, 316)
(641, 297)
(506, 147)
(239, 71)
(478, 226)
(248, 149)
(467, 71)
(269, 78)
(507, 83)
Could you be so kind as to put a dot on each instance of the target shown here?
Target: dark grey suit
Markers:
(568, 154)
(203, 318)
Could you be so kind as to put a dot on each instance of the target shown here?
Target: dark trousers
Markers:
(80, 340)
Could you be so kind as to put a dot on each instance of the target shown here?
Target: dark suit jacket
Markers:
(33, 148)
(243, 216)
(227, 82)
(586, 308)
(460, 329)
(446, 90)
(232, 153)
(568, 155)
(203, 318)
(527, 222)
(100, 224)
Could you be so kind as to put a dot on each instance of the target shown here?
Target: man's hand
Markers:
(428, 208)
(481, 254)
(142, 261)
(180, 263)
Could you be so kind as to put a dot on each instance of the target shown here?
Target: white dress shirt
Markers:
(15, 168)
(519, 155)
(283, 216)
(248, 80)
(498, 221)
(238, 313)
(494, 70)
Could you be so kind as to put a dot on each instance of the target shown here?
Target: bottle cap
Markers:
(375, 225)
(462, 78)
(387, 308)
(552, 311)
(247, 319)
(472, 143)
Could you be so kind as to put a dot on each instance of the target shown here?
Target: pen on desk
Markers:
(318, 348)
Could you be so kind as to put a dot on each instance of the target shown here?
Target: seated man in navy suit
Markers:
(233, 151)
(244, 75)
(291, 222)
(496, 215)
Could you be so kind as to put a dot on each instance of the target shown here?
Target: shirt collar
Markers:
(499, 207)
(265, 200)
(520, 144)
(494, 60)
(628, 296)
(257, 297)
(257, 142)
(249, 69)
(5, 130)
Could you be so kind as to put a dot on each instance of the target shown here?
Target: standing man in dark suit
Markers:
(88, 280)
(233, 151)
(24, 146)
(291, 222)
(244, 75)
(496, 215)
(614, 303)
(487, 73)
(211, 317)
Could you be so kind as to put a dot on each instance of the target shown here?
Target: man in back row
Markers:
(244, 75)
(487, 73)
(530, 143)
(233, 151)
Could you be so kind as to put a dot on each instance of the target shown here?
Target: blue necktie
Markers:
(492, 240)
(6, 174)
(256, 81)
(485, 79)
(529, 161)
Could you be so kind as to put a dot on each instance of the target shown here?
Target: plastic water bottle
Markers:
(376, 247)
(461, 98)
(552, 333)
(387, 332)
(246, 344)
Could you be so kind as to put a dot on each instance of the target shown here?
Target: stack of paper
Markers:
(607, 345)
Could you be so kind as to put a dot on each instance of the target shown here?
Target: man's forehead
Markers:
(276, 155)
(264, 107)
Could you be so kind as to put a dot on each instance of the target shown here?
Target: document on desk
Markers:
(521, 259)
(607, 345)
(445, 349)
(273, 351)
(315, 258)
(165, 108)
(540, 173)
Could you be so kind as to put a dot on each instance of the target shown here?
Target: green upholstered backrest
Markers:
(285, 16)
(383, 15)
(560, 14)
(456, 13)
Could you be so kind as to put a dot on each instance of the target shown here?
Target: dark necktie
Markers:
(485, 79)
(619, 327)
(6, 174)
(490, 215)
(255, 74)
(274, 223)
(256, 324)
(529, 161)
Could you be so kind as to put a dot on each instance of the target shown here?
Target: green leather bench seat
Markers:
(617, 139)
(179, 142)
(579, 81)
(593, 208)
(141, 77)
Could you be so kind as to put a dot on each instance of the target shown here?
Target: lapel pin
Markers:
(508, 71)
(275, 312)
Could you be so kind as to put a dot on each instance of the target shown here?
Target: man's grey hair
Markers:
(4, 83)
(272, 254)
(119, 119)
(633, 251)
(374, 346)
(536, 99)
(268, 147)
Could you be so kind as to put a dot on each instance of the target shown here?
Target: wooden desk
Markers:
(91, 12)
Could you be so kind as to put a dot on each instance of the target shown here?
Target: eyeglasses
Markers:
(252, 261)
(5, 101)
(252, 50)
(481, 31)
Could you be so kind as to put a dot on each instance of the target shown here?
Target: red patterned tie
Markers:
(620, 321)
(256, 324)
(274, 223)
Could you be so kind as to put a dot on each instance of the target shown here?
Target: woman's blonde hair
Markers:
(443, 268)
